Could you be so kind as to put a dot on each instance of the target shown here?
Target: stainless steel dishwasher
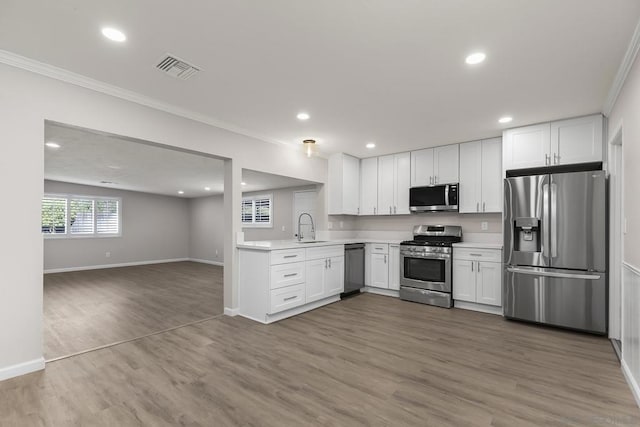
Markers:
(353, 269)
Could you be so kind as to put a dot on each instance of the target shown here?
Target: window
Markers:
(77, 216)
(257, 211)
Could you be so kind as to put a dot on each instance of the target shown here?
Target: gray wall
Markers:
(282, 215)
(206, 228)
(154, 227)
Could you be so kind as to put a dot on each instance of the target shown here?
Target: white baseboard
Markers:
(22, 368)
(206, 261)
(380, 291)
(631, 381)
(231, 311)
(123, 264)
(483, 308)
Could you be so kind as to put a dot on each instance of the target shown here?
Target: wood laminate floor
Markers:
(368, 360)
(88, 309)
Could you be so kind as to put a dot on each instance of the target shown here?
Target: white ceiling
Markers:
(391, 71)
(88, 157)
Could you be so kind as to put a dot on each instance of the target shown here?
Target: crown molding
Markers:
(18, 61)
(623, 71)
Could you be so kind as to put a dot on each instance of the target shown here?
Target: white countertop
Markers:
(478, 245)
(272, 245)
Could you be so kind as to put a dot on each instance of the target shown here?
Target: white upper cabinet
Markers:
(470, 191)
(577, 140)
(422, 167)
(481, 176)
(433, 166)
(562, 142)
(344, 185)
(445, 164)
(402, 174)
(386, 184)
(369, 186)
(527, 147)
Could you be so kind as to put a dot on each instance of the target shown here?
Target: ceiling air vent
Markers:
(176, 67)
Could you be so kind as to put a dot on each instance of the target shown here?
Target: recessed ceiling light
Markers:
(370, 145)
(505, 119)
(207, 189)
(475, 58)
(180, 192)
(303, 116)
(113, 34)
(52, 145)
(243, 183)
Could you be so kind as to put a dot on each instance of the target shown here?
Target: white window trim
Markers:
(94, 235)
(253, 224)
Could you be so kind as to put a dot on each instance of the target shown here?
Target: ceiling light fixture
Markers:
(505, 119)
(180, 192)
(303, 116)
(207, 189)
(370, 145)
(114, 34)
(309, 147)
(475, 58)
(52, 145)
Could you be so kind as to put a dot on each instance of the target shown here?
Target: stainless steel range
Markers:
(425, 264)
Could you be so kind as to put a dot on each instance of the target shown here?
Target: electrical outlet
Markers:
(329, 225)
(283, 228)
(216, 253)
(484, 225)
(107, 254)
(341, 224)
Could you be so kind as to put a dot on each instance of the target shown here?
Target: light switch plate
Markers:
(484, 225)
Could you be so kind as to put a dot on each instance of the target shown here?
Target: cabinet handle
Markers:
(385, 259)
(329, 262)
(478, 266)
(475, 254)
(556, 158)
(395, 209)
(358, 211)
(547, 159)
(472, 266)
(430, 180)
(290, 256)
(291, 275)
(477, 206)
(435, 179)
(484, 207)
(390, 212)
(374, 210)
(290, 298)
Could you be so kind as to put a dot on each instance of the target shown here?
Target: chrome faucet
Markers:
(313, 228)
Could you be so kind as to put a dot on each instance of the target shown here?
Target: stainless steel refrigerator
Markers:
(555, 250)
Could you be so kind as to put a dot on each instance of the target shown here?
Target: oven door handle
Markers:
(446, 195)
(445, 257)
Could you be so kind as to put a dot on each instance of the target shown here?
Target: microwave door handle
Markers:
(446, 195)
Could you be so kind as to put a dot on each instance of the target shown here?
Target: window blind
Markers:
(262, 211)
(54, 215)
(257, 211)
(107, 217)
(81, 216)
(247, 211)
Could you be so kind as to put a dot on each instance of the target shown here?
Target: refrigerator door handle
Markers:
(545, 221)
(554, 220)
(553, 274)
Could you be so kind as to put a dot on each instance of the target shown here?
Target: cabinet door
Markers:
(394, 267)
(386, 184)
(379, 271)
(315, 279)
(351, 185)
(470, 191)
(402, 168)
(422, 167)
(489, 287)
(334, 279)
(491, 175)
(527, 147)
(577, 140)
(464, 280)
(445, 164)
(369, 186)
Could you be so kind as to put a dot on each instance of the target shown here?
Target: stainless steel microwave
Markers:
(436, 198)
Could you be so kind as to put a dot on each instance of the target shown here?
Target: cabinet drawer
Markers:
(378, 248)
(325, 252)
(287, 274)
(287, 255)
(285, 298)
(472, 254)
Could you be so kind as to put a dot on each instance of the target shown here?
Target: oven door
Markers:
(431, 271)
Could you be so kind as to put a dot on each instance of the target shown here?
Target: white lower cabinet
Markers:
(394, 267)
(273, 283)
(378, 265)
(477, 276)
